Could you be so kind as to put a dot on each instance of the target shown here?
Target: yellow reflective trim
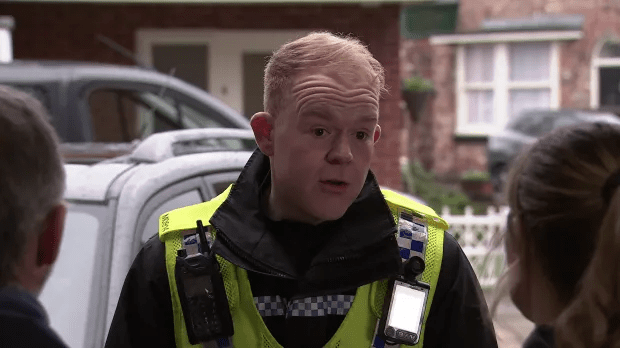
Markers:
(184, 218)
(427, 213)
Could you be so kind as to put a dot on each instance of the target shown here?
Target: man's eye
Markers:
(361, 135)
(319, 132)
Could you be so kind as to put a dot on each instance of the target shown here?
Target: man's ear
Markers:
(377, 134)
(49, 240)
(262, 125)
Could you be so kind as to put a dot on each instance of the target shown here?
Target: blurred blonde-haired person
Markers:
(563, 237)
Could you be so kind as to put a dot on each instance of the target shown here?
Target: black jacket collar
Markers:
(18, 302)
(359, 248)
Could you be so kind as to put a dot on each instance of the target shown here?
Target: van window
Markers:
(182, 200)
(39, 92)
(114, 115)
(121, 115)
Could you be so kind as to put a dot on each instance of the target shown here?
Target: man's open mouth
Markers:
(335, 182)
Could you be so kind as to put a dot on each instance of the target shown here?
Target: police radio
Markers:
(201, 291)
(404, 305)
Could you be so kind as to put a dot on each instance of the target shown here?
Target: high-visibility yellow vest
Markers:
(358, 327)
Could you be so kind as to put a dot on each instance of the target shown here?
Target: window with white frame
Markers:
(605, 74)
(497, 81)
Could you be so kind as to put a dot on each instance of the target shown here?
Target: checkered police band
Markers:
(317, 306)
(320, 306)
(270, 306)
(412, 236)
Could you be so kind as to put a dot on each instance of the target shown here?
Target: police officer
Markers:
(305, 238)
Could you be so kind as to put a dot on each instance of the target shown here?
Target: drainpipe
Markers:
(7, 23)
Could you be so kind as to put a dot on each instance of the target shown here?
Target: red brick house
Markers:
(506, 56)
(218, 45)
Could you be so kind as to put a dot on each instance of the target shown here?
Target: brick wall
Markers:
(416, 60)
(69, 31)
(602, 17)
(452, 156)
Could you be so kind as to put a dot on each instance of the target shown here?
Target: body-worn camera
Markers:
(404, 306)
(202, 293)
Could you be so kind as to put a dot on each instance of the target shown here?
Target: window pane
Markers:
(534, 123)
(480, 106)
(610, 50)
(529, 61)
(182, 200)
(159, 115)
(38, 92)
(609, 84)
(192, 118)
(41, 94)
(522, 99)
(221, 186)
(67, 292)
(115, 115)
(479, 63)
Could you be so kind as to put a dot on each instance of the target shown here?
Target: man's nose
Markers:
(340, 153)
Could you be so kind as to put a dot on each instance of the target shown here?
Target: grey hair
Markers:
(32, 177)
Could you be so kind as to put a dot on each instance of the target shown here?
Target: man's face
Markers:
(323, 142)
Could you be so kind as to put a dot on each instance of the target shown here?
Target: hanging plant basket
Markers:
(416, 102)
(416, 92)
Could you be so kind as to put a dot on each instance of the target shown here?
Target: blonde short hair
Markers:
(317, 49)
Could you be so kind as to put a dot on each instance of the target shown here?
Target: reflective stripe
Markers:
(320, 306)
(270, 306)
(412, 235)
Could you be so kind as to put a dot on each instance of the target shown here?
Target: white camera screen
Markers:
(406, 309)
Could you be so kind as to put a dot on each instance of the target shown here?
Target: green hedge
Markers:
(423, 184)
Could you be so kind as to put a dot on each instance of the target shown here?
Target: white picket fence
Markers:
(478, 237)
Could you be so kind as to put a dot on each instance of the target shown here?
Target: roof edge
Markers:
(369, 3)
(503, 36)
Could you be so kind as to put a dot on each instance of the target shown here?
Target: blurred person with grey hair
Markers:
(32, 215)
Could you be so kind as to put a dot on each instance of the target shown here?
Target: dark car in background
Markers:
(105, 103)
(524, 129)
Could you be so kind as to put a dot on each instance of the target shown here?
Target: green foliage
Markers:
(417, 84)
(423, 184)
(474, 175)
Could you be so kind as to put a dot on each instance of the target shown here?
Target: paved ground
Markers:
(510, 326)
